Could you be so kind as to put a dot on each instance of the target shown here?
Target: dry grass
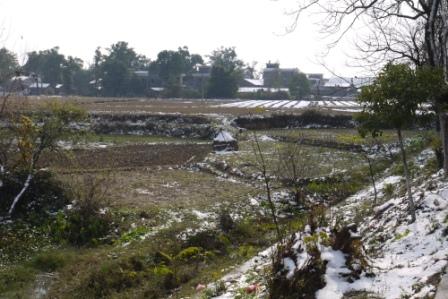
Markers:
(172, 188)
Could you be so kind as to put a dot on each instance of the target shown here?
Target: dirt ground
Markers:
(144, 105)
(127, 157)
(174, 188)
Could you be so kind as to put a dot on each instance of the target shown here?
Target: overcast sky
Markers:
(255, 27)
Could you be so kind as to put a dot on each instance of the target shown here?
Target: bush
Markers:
(111, 277)
(208, 240)
(78, 228)
(190, 253)
(44, 195)
(88, 222)
(162, 258)
(388, 191)
(305, 281)
(49, 261)
(166, 275)
(225, 221)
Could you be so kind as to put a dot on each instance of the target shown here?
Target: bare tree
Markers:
(412, 30)
(262, 165)
(294, 165)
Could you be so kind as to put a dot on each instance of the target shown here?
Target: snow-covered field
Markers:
(341, 105)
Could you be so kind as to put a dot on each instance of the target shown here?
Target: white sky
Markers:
(255, 27)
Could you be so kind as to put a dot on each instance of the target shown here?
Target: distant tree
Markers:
(171, 66)
(250, 71)
(97, 60)
(47, 64)
(70, 68)
(227, 70)
(393, 100)
(81, 82)
(118, 67)
(299, 86)
(8, 65)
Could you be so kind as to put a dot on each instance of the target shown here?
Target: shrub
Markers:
(225, 221)
(388, 191)
(246, 251)
(44, 195)
(132, 235)
(111, 277)
(208, 240)
(49, 261)
(166, 275)
(162, 258)
(88, 222)
(305, 281)
(79, 229)
(190, 253)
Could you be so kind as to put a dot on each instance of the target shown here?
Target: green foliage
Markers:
(190, 253)
(8, 65)
(47, 63)
(246, 251)
(334, 190)
(80, 229)
(172, 65)
(402, 235)
(208, 240)
(116, 70)
(113, 276)
(89, 221)
(395, 96)
(299, 86)
(162, 258)
(225, 75)
(132, 235)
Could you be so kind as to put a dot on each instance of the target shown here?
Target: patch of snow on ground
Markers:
(405, 255)
(284, 104)
(265, 138)
(143, 191)
(335, 286)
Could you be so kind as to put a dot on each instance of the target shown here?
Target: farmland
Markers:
(182, 215)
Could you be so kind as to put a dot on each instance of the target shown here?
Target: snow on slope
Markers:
(405, 258)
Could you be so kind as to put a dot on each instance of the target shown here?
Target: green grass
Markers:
(337, 135)
(316, 161)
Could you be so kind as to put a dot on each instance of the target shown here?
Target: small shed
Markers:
(224, 141)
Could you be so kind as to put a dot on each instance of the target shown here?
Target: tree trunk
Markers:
(17, 198)
(407, 176)
(372, 178)
(444, 137)
(272, 207)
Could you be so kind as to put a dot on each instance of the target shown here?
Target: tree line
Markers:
(120, 71)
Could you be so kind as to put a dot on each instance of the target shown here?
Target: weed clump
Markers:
(50, 261)
(299, 263)
(88, 222)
